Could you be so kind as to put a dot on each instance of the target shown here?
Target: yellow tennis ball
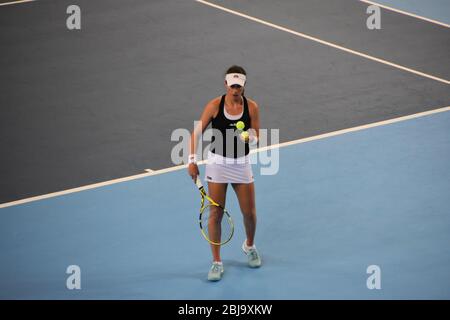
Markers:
(245, 135)
(240, 125)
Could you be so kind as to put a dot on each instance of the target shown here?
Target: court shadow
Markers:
(197, 275)
(175, 275)
(235, 263)
(267, 260)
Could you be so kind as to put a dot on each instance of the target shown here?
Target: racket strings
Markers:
(216, 225)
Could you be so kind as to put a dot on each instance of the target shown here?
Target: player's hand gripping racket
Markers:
(215, 222)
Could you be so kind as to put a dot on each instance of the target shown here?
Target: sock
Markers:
(247, 248)
(217, 262)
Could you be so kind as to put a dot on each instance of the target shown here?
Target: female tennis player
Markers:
(228, 159)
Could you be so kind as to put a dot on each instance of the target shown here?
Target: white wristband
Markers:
(192, 158)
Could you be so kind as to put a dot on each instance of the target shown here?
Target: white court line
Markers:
(15, 2)
(180, 167)
(303, 35)
(359, 128)
(407, 13)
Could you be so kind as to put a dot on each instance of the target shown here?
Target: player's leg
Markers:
(245, 193)
(216, 191)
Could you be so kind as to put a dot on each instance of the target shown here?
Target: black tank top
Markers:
(230, 146)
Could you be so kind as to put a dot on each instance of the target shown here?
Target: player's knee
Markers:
(249, 213)
(215, 212)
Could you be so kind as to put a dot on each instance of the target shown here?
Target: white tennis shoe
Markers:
(254, 260)
(216, 271)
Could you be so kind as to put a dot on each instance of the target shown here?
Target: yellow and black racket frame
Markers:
(202, 209)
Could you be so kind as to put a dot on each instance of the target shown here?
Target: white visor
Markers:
(235, 78)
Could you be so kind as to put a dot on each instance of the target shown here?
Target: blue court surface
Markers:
(438, 10)
(378, 196)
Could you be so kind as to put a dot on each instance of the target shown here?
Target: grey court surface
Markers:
(85, 106)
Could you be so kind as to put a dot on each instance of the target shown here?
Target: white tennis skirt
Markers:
(220, 169)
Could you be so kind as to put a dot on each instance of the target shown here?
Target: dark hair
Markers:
(236, 69)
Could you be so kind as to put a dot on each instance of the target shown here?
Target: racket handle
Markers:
(198, 182)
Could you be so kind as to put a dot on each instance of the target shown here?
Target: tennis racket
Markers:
(216, 224)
